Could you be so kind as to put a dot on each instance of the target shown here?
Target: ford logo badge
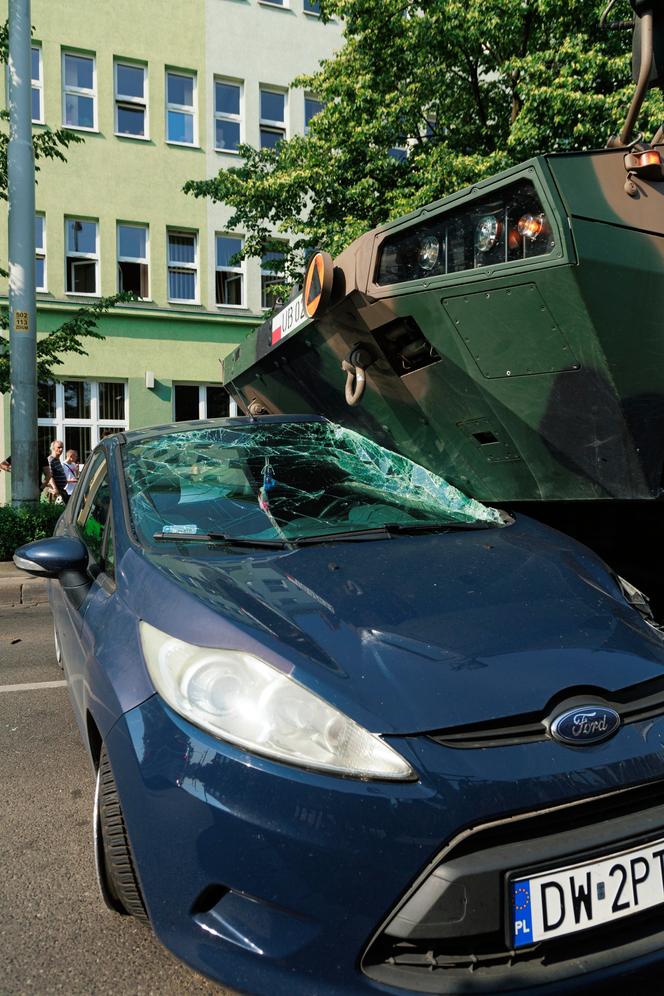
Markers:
(588, 724)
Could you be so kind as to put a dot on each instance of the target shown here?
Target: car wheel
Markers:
(114, 863)
(58, 648)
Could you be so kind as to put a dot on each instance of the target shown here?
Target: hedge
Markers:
(21, 525)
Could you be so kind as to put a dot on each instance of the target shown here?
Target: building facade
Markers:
(161, 93)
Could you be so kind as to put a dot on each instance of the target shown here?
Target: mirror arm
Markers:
(644, 78)
(76, 585)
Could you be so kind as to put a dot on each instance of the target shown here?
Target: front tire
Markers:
(116, 876)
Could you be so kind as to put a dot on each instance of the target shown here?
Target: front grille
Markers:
(474, 954)
(633, 704)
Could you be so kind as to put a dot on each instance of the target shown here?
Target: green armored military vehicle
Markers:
(509, 337)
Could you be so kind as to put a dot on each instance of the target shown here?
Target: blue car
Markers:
(353, 731)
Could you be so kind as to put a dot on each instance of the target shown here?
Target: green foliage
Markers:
(22, 525)
(468, 87)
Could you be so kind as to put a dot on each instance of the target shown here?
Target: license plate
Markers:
(568, 900)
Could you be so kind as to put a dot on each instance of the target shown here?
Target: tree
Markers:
(48, 144)
(426, 97)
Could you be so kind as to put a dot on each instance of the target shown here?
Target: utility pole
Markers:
(22, 318)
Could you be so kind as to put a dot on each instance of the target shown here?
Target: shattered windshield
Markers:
(283, 481)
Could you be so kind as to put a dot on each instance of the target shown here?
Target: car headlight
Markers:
(244, 700)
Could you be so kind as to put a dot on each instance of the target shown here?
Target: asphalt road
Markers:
(56, 936)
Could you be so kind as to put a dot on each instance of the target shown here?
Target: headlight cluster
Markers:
(242, 699)
(508, 225)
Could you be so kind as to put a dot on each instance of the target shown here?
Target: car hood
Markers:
(420, 633)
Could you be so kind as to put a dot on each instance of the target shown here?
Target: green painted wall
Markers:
(113, 178)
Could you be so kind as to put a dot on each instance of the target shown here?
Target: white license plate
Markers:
(574, 898)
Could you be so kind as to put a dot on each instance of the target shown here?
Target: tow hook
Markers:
(354, 366)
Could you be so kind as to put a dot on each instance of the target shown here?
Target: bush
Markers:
(21, 525)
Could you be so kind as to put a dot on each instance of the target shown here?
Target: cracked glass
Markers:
(284, 482)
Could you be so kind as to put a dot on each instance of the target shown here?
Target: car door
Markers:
(91, 522)
(67, 613)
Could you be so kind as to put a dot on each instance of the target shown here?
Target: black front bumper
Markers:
(450, 932)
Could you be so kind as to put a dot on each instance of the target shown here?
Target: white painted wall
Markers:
(257, 43)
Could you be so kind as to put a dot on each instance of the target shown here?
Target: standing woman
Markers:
(71, 468)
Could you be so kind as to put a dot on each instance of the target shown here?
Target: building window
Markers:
(274, 3)
(311, 7)
(180, 114)
(82, 256)
(133, 260)
(273, 118)
(312, 107)
(229, 273)
(79, 104)
(37, 74)
(195, 401)
(80, 413)
(40, 252)
(226, 116)
(131, 108)
(271, 275)
(182, 267)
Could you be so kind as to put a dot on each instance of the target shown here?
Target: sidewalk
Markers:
(18, 588)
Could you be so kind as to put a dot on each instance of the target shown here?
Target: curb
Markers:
(18, 588)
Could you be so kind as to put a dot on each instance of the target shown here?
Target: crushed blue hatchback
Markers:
(353, 731)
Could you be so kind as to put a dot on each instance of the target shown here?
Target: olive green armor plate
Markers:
(515, 372)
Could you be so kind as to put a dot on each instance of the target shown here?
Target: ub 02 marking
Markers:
(289, 318)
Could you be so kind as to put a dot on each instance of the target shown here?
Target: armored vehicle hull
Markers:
(531, 369)
(510, 338)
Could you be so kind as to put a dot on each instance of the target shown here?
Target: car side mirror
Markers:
(49, 558)
(62, 557)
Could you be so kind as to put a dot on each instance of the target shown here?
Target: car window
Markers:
(94, 513)
(89, 479)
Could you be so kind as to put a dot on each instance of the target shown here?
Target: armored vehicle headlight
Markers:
(646, 164)
(487, 233)
(530, 226)
(429, 251)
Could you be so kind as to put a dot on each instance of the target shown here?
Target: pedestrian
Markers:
(58, 482)
(72, 469)
(6, 464)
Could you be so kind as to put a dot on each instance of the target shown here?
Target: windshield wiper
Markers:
(435, 527)
(220, 538)
(386, 531)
